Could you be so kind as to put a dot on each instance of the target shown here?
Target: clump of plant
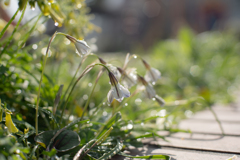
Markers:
(48, 112)
(93, 135)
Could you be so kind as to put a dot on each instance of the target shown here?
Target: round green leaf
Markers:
(65, 141)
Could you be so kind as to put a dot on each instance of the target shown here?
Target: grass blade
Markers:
(112, 152)
(160, 157)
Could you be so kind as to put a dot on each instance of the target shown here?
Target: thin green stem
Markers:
(83, 73)
(40, 82)
(15, 29)
(9, 22)
(126, 63)
(87, 69)
(218, 121)
(38, 95)
(79, 66)
(97, 108)
(114, 108)
(29, 33)
(86, 105)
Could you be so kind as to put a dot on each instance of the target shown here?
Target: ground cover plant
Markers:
(58, 104)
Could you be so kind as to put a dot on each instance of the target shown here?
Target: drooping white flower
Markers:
(117, 91)
(152, 74)
(129, 77)
(112, 68)
(81, 45)
(160, 100)
(150, 92)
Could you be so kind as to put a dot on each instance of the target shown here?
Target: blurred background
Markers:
(130, 24)
(141, 23)
(194, 43)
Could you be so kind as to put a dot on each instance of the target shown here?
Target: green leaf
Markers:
(109, 124)
(21, 4)
(160, 157)
(49, 113)
(50, 153)
(78, 154)
(33, 151)
(112, 152)
(104, 136)
(65, 141)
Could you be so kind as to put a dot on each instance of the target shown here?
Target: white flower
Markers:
(152, 75)
(160, 100)
(114, 70)
(81, 46)
(129, 77)
(117, 91)
(150, 92)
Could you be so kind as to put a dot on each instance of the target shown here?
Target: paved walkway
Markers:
(206, 141)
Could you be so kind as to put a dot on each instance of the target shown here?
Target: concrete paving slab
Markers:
(227, 144)
(178, 154)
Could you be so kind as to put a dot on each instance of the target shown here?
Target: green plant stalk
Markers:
(100, 105)
(114, 108)
(38, 95)
(79, 66)
(87, 69)
(15, 29)
(40, 82)
(102, 138)
(83, 73)
(70, 84)
(86, 105)
(9, 22)
(218, 121)
(31, 30)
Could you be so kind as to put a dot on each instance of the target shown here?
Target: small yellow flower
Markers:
(26, 130)
(9, 123)
(1, 112)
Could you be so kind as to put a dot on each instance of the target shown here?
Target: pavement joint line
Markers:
(191, 149)
(209, 133)
(213, 120)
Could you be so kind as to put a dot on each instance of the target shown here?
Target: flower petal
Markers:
(110, 96)
(160, 100)
(130, 79)
(82, 47)
(152, 75)
(9, 123)
(118, 93)
(150, 91)
(125, 92)
(115, 71)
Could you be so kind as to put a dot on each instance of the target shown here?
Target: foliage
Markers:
(204, 65)
(54, 103)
